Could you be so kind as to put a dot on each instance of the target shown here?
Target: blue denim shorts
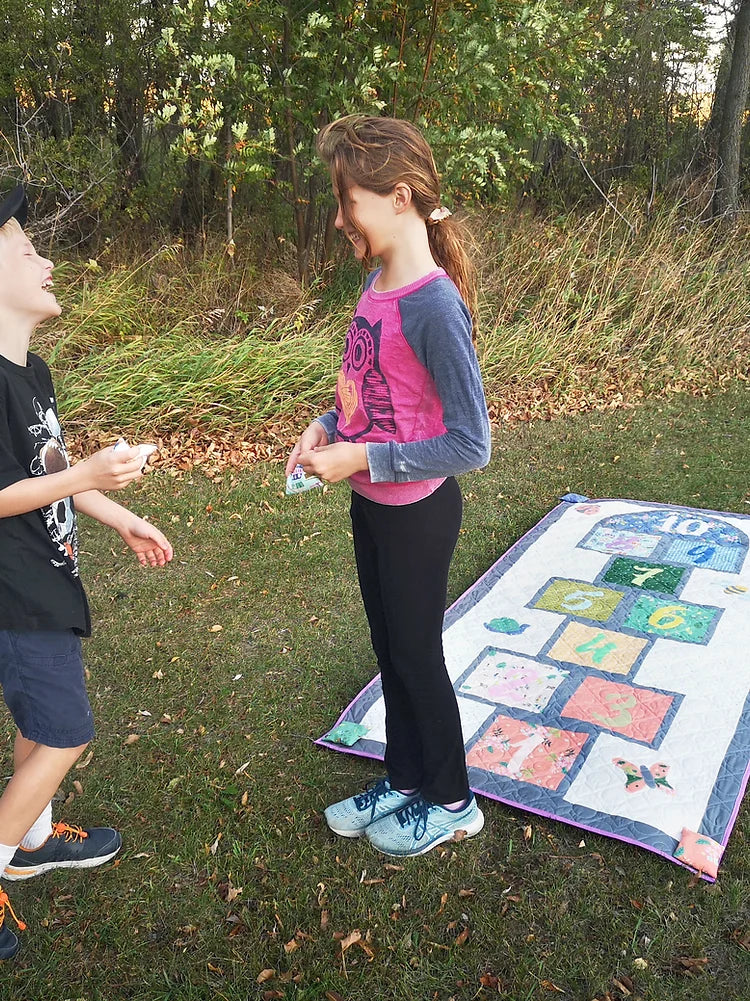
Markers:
(44, 686)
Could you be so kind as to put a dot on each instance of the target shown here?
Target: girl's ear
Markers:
(402, 196)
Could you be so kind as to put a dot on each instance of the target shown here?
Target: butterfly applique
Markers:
(639, 778)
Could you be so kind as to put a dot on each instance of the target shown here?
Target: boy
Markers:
(43, 608)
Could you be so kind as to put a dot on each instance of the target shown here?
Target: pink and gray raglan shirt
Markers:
(410, 389)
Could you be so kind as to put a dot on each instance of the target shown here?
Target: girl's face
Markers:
(367, 218)
(25, 280)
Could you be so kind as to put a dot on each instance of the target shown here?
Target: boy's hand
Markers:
(150, 546)
(334, 462)
(111, 469)
(312, 437)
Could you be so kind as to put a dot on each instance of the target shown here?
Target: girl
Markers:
(410, 413)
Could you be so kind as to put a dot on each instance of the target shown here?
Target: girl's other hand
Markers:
(312, 437)
(332, 463)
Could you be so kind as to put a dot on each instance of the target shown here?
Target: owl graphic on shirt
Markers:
(362, 392)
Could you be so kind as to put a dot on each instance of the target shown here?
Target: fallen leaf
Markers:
(692, 965)
(350, 939)
(86, 761)
(131, 739)
(491, 981)
(265, 975)
(78, 787)
(215, 629)
(291, 946)
(462, 936)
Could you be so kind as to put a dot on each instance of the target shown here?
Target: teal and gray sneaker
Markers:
(8, 941)
(350, 817)
(421, 825)
(68, 847)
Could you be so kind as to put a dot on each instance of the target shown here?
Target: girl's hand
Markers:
(332, 463)
(312, 437)
(150, 546)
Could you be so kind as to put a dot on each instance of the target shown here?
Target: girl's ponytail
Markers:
(448, 239)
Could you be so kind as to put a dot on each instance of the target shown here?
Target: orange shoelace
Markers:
(68, 831)
(4, 902)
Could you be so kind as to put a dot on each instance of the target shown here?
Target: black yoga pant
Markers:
(403, 554)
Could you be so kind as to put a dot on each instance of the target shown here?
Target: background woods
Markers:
(171, 114)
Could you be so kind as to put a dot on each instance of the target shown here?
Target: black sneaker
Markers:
(8, 941)
(68, 847)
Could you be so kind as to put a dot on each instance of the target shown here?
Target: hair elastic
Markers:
(438, 214)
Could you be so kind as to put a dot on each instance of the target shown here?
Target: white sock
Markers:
(39, 831)
(6, 854)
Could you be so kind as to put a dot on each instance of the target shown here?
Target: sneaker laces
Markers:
(416, 813)
(368, 799)
(5, 902)
(70, 832)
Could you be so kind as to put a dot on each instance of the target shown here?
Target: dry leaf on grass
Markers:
(265, 975)
(462, 936)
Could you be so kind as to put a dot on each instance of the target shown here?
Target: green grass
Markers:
(556, 915)
(572, 311)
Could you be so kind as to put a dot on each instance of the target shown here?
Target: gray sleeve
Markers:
(437, 326)
(329, 420)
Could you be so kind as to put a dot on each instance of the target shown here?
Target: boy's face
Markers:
(25, 282)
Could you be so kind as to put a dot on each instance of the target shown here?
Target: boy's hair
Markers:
(9, 228)
(378, 153)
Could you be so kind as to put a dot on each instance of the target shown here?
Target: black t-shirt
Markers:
(40, 587)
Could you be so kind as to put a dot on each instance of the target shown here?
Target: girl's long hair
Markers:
(378, 153)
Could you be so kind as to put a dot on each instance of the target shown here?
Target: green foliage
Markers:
(162, 109)
(570, 309)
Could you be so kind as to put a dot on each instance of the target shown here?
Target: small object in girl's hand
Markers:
(297, 482)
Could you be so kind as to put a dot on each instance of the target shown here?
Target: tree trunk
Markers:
(713, 125)
(726, 195)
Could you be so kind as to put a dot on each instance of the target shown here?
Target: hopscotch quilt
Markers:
(602, 669)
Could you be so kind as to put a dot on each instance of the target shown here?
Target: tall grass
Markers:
(575, 305)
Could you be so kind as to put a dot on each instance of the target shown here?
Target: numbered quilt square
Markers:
(672, 620)
(637, 713)
(578, 597)
(508, 678)
(716, 556)
(648, 576)
(600, 649)
(615, 540)
(540, 755)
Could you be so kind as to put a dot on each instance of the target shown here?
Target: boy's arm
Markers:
(147, 542)
(106, 470)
